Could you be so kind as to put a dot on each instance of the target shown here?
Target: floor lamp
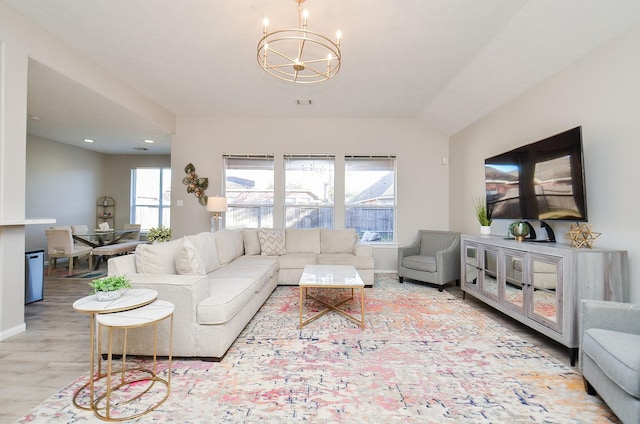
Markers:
(217, 205)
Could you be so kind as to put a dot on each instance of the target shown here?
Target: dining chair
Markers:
(60, 245)
(133, 236)
(79, 230)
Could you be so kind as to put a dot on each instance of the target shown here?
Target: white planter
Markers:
(107, 296)
(485, 230)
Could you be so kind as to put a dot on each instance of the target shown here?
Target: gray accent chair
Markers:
(433, 258)
(610, 355)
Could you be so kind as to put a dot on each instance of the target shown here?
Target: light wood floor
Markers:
(54, 350)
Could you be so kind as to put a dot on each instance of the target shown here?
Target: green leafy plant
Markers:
(483, 213)
(110, 283)
(160, 233)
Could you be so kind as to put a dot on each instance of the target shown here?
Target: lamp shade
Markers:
(217, 204)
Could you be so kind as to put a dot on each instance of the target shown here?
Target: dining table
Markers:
(99, 238)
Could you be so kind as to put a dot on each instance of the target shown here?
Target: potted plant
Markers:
(159, 234)
(110, 287)
(483, 214)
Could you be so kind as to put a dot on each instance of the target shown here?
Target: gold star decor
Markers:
(581, 235)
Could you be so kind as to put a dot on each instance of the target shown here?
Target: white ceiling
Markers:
(446, 62)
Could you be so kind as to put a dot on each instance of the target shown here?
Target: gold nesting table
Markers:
(331, 277)
(135, 308)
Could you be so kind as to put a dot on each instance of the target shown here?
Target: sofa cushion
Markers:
(359, 262)
(205, 245)
(157, 258)
(187, 259)
(227, 296)
(251, 241)
(259, 268)
(271, 242)
(302, 240)
(337, 241)
(420, 263)
(616, 354)
(229, 245)
(297, 260)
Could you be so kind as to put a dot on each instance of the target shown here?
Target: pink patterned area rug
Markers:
(424, 357)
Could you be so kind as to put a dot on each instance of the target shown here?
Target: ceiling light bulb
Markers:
(339, 35)
(148, 141)
(265, 22)
(88, 140)
(305, 14)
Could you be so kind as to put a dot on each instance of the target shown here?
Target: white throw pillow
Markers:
(205, 245)
(272, 242)
(157, 258)
(188, 260)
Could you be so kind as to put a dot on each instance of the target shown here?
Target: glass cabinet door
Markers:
(546, 290)
(513, 291)
(489, 283)
(471, 266)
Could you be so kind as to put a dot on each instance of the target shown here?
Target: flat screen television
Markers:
(539, 181)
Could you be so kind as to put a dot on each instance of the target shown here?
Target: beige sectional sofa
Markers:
(218, 281)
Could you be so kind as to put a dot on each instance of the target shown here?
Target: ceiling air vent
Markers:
(303, 102)
(142, 149)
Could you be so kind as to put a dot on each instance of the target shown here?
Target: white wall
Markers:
(421, 178)
(601, 92)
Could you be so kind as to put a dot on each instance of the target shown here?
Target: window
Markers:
(249, 191)
(150, 197)
(370, 196)
(309, 189)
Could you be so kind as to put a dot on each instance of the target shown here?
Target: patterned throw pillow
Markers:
(272, 242)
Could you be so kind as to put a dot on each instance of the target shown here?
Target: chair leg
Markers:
(51, 260)
(70, 265)
(401, 279)
(588, 387)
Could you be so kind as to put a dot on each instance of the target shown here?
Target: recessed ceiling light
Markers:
(88, 140)
(148, 141)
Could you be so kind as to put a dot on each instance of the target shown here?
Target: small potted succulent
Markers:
(110, 287)
(159, 234)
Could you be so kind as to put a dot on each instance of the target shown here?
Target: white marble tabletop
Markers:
(330, 276)
(131, 298)
(138, 317)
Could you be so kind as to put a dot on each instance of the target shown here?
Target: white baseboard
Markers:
(13, 331)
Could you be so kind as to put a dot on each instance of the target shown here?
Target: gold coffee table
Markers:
(331, 277)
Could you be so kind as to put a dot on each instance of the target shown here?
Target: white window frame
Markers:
(262, 208)
(328, 203)
(371, 233)
(164, 207)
